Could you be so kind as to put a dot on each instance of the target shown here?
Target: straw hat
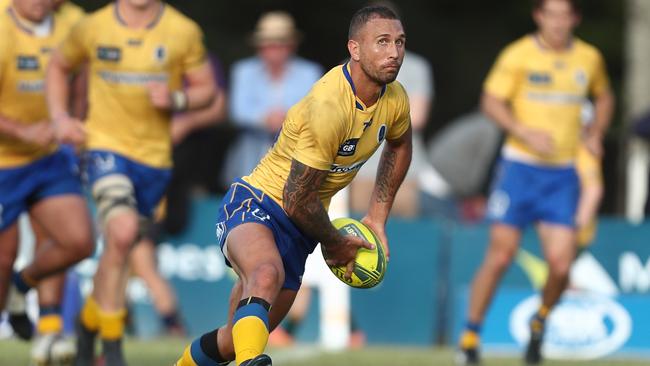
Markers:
(275, 27)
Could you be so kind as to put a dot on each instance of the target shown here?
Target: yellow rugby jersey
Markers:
(331, 129)
(69, 14)
(23, 60)
(122, 62)
(546, 90)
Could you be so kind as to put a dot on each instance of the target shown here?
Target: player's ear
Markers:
(353, 48)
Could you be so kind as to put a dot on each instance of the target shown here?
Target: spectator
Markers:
(264, 87)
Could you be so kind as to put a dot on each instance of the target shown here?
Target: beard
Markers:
(379, 77)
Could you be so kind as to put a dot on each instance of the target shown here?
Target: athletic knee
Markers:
(122, 233)
(500, 261)
(559, 266)
(267, 277)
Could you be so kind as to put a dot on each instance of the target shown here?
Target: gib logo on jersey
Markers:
(27, 62)
(113, 54)
(348, 147)
(583, 326)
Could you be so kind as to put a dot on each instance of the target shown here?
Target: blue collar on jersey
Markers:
(26, 27)
(354, 90)
(544, 47)
(149, 26)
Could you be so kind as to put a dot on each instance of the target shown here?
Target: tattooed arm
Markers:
(303, 205)
(394, 163)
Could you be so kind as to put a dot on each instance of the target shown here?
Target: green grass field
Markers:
(164, 352)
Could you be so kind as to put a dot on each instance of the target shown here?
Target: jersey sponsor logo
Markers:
(539, 78)
(381, 134)
(25, 62)
(348, 148)
(134, 42)
(106, 53)
(133, 78)
(336, 168)
(31, 86)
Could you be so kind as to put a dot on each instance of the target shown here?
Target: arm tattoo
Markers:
(303, 205)
(385, 184)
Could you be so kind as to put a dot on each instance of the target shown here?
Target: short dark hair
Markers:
(365, 14)
(575, 5)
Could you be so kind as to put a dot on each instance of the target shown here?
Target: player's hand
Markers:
(69, 130)
(594, 143)
(160, 95)
(538, 140)
(39, 134)
(380, 231)
(344, 252)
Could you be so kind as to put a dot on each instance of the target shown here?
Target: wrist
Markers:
(179, 101)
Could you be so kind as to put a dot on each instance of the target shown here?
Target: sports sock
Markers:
(537, 323)
(250, 330)
(50, 320)
(172, 320)
(111, 325)
(22, 282)
(90, 314)
(203, 351)
(471, 336)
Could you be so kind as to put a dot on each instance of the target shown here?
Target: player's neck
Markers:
(38, 27)
(558, 46)
(137, 17)
(366, 89)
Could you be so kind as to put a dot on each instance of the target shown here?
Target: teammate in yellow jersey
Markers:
(136, 74)
(273, 218)
(36, 175)
(535, 91)
(49, 343)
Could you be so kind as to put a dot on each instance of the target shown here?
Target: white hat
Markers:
(275, 27)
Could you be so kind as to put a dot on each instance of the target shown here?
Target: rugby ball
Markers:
(370, 265)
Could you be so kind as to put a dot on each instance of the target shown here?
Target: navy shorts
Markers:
(149, 183)
(23, 186)
(244, 203)
(525, 193)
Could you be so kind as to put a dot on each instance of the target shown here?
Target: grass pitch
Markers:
(164, 352)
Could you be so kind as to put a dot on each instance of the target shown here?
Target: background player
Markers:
(535, 92)
(324, 140)
(35, 174)
(136, 82)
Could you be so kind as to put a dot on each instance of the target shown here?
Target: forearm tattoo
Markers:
(303, 205)
(386, 186)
